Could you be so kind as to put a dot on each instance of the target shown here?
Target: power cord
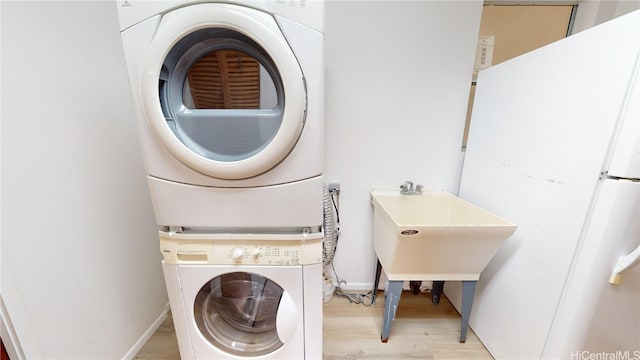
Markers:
(353, 298)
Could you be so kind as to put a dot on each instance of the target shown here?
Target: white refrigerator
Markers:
(553, 147)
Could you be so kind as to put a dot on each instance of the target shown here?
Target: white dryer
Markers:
(244, 296)
(229, 99)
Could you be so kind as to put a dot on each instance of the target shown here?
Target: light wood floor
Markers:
(421, 330)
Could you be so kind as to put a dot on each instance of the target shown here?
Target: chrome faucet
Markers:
(408, 188)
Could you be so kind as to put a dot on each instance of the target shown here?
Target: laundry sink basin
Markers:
(434, 236)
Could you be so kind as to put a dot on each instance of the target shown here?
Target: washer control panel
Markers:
(262, 249)
(267, 254)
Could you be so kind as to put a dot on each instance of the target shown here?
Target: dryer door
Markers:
(223, 91)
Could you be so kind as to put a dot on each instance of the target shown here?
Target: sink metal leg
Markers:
(376, 281)
(468, 291)
(415, 286)
(391, 299)
(436, 291)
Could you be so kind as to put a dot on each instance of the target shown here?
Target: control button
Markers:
(257, 253)
(237, 253)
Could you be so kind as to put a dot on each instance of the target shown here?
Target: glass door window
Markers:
(236, 312)
(221, 94)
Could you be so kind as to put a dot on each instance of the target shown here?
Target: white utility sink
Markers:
(434, 235)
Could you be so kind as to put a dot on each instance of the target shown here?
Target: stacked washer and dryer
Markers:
(229, 99)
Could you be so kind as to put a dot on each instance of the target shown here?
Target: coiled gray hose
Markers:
(330, 237)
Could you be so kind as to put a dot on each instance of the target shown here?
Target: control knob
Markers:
(237, 253)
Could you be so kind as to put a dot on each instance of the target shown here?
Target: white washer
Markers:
(229, 98)
(239, 296)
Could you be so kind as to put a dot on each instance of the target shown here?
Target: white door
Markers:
(222, 90)
(244, 311)
(595, 316)
(600, 316)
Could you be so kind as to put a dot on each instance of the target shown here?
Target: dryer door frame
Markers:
(262, 29)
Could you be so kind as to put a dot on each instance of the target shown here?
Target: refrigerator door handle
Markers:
(625, 262)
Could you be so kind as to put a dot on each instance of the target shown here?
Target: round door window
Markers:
(236, 312)
(221, 95)
(223, 90)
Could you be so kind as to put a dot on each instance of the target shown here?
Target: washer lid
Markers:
(223, 91)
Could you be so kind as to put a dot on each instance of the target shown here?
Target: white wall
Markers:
(594, 12)
(0, 157)
(81, 274)
(397, 83)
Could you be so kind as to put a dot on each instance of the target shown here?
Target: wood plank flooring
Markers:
(421, 330)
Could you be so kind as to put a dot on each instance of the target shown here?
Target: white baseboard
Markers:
(359, 287)
(135, 349)
(8, 334)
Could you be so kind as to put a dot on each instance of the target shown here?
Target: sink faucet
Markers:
(408, 188)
